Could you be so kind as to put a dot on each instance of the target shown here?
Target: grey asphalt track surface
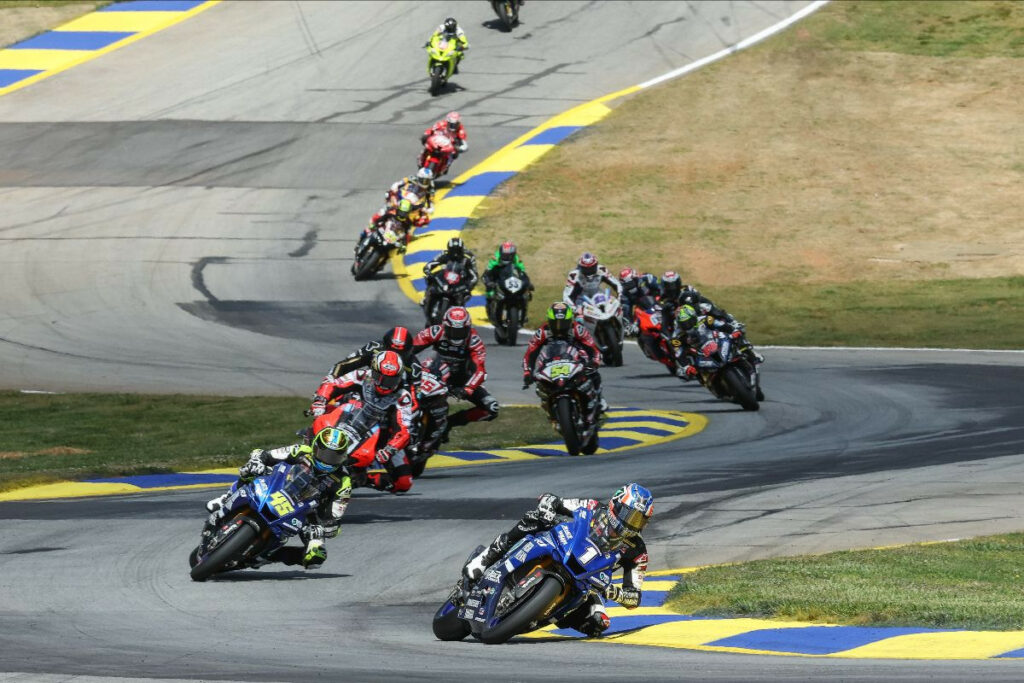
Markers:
(183, 220)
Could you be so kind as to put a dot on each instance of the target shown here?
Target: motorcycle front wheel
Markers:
(228, 551)
(527, 612)
(447, 625)
(740, 389)
(512, 318)
(567, 425)
(437, 78)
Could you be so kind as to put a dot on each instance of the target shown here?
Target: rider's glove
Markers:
(613, 592)
(527, 380)
(463, 146)
(736, 334)
(319, 406)
(687, 373)
(385, 454)
(254, 466)
(311, 532)
(546, 508)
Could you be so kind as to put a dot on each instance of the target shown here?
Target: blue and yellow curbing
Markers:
(625, 429)
(652, 624)
(88, 37)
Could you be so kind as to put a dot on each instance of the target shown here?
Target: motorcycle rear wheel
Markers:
(229, 550)
(563, 410)
(528, 611)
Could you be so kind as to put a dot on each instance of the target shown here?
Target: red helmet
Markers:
(386, 370)
(453, 120)
(628, 275)
(398, 339)
(507, 252)
(457, 324)
(588, 264)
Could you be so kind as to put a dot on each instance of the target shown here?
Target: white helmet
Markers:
(424, 177)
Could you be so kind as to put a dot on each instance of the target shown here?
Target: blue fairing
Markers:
(276, 499)
(577, 563)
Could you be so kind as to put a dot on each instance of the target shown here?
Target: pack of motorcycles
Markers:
(545, 576)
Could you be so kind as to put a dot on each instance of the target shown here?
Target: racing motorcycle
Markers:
(540, 581)
(373, 249)
(432, 396)
(565, 392)
(441, 55)
(602, 314)
(725, 371)
(507, 11)
(445, 288)
(506, 307)
(649, 337)
(437, 155)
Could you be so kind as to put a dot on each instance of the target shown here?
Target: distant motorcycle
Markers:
(441, 55)
(438, 154)
(432, 396)
(725, 371)
(373, 250)
(507, 11)
(506, 307)
(565, 390)
(602, 314)
(649, 338)
(445, 288)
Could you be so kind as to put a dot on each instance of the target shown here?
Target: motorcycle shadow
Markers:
(260, 575)
(498, 25)
(448, 88)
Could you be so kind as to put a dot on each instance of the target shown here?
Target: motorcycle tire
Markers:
(508, 16)
(740, 389)
(447, 625)
(417, 471)
(567, 425)
(512, 317)
(437, 79)
(228, 551)
(613, 343)
(529, 611)
(373, 262)
(590, 447)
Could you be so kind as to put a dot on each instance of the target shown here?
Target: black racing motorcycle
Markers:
(568, 395)
(725, 370)
(506, 307)
(446, 288)
(432, 396)
(508, 12)
(373, 250)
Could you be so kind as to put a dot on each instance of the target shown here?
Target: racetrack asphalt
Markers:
(191, 231)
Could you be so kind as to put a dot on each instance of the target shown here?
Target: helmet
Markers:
(625, 517)
(588, 264)
(507, 252)
(457, 324)
(386, 370)
(704, 307)
(671, 285)
(456, 247)
(424, 177)
(690, 295)
(403, 210)
(329, 449)
(686, 317)
(453, 120)
(627, 275)
(648, 283)
(560, 320)
(399, 340)
(450, 25)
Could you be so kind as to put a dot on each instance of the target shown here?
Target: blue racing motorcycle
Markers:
(259, 517)
(539, 581)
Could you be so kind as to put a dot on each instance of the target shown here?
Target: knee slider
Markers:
(492, 406)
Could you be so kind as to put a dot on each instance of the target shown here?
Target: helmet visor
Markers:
(387, 383)
(560, 327)
(632, 520)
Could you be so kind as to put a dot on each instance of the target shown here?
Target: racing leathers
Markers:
(458, 136)
(333, 491)
(407, 188)
(590, 618)
(442, 260)
(493, 271)
(378, 220)
(583, 340)
(577, 284)
(467, 362)
(334, 385)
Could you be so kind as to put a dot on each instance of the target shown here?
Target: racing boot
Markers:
(476, 567)
(217, 504)
(596, 623)
(316, 554)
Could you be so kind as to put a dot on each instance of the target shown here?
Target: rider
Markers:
(457, 343)
(506, 254)
(449, 29)
(397, 339)
(441, 146)
(334, 489)
(454, 253)
(629, 281)
(418, 189)
(389, 402)
(586, 278)
(406, 216)
(615, 529)
(671, 291)
(563, 326)
(450, 126)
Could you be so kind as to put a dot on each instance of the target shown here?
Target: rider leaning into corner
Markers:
(561, 325)
(587, 278)
(451, 127)
(334, 491)
(615, 529)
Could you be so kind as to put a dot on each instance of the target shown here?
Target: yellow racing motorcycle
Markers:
(443, 54)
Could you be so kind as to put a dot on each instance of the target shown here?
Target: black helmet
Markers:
(506, 252)
(671, 285)
(560, 320)
(456, 247)
(450, 25)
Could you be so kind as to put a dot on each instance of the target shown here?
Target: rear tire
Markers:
(229, 550)
(528, 612)
(448, 626)
(512, 317)
(563, 410)
(740, 389)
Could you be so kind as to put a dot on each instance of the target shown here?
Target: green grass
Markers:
(124, 434)
(973, 584)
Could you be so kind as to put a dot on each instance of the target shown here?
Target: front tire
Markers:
(740, 389)
(528, 612)
(228, 551)
(373, 262)
(437, 79)
(447, 625)
(563, 411)
(613, 341)
(512, 318)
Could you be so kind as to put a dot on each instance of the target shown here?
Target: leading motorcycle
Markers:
(540, 581)
(566, 390)
(441, 54)
(507, 11)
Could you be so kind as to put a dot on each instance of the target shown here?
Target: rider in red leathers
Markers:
(450, 126)
(457, 343)
(441, 146)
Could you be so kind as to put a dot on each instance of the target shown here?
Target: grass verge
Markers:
(870, 156)
(46, 438)
(972, 584)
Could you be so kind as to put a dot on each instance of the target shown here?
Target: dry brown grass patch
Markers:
(55, 450)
